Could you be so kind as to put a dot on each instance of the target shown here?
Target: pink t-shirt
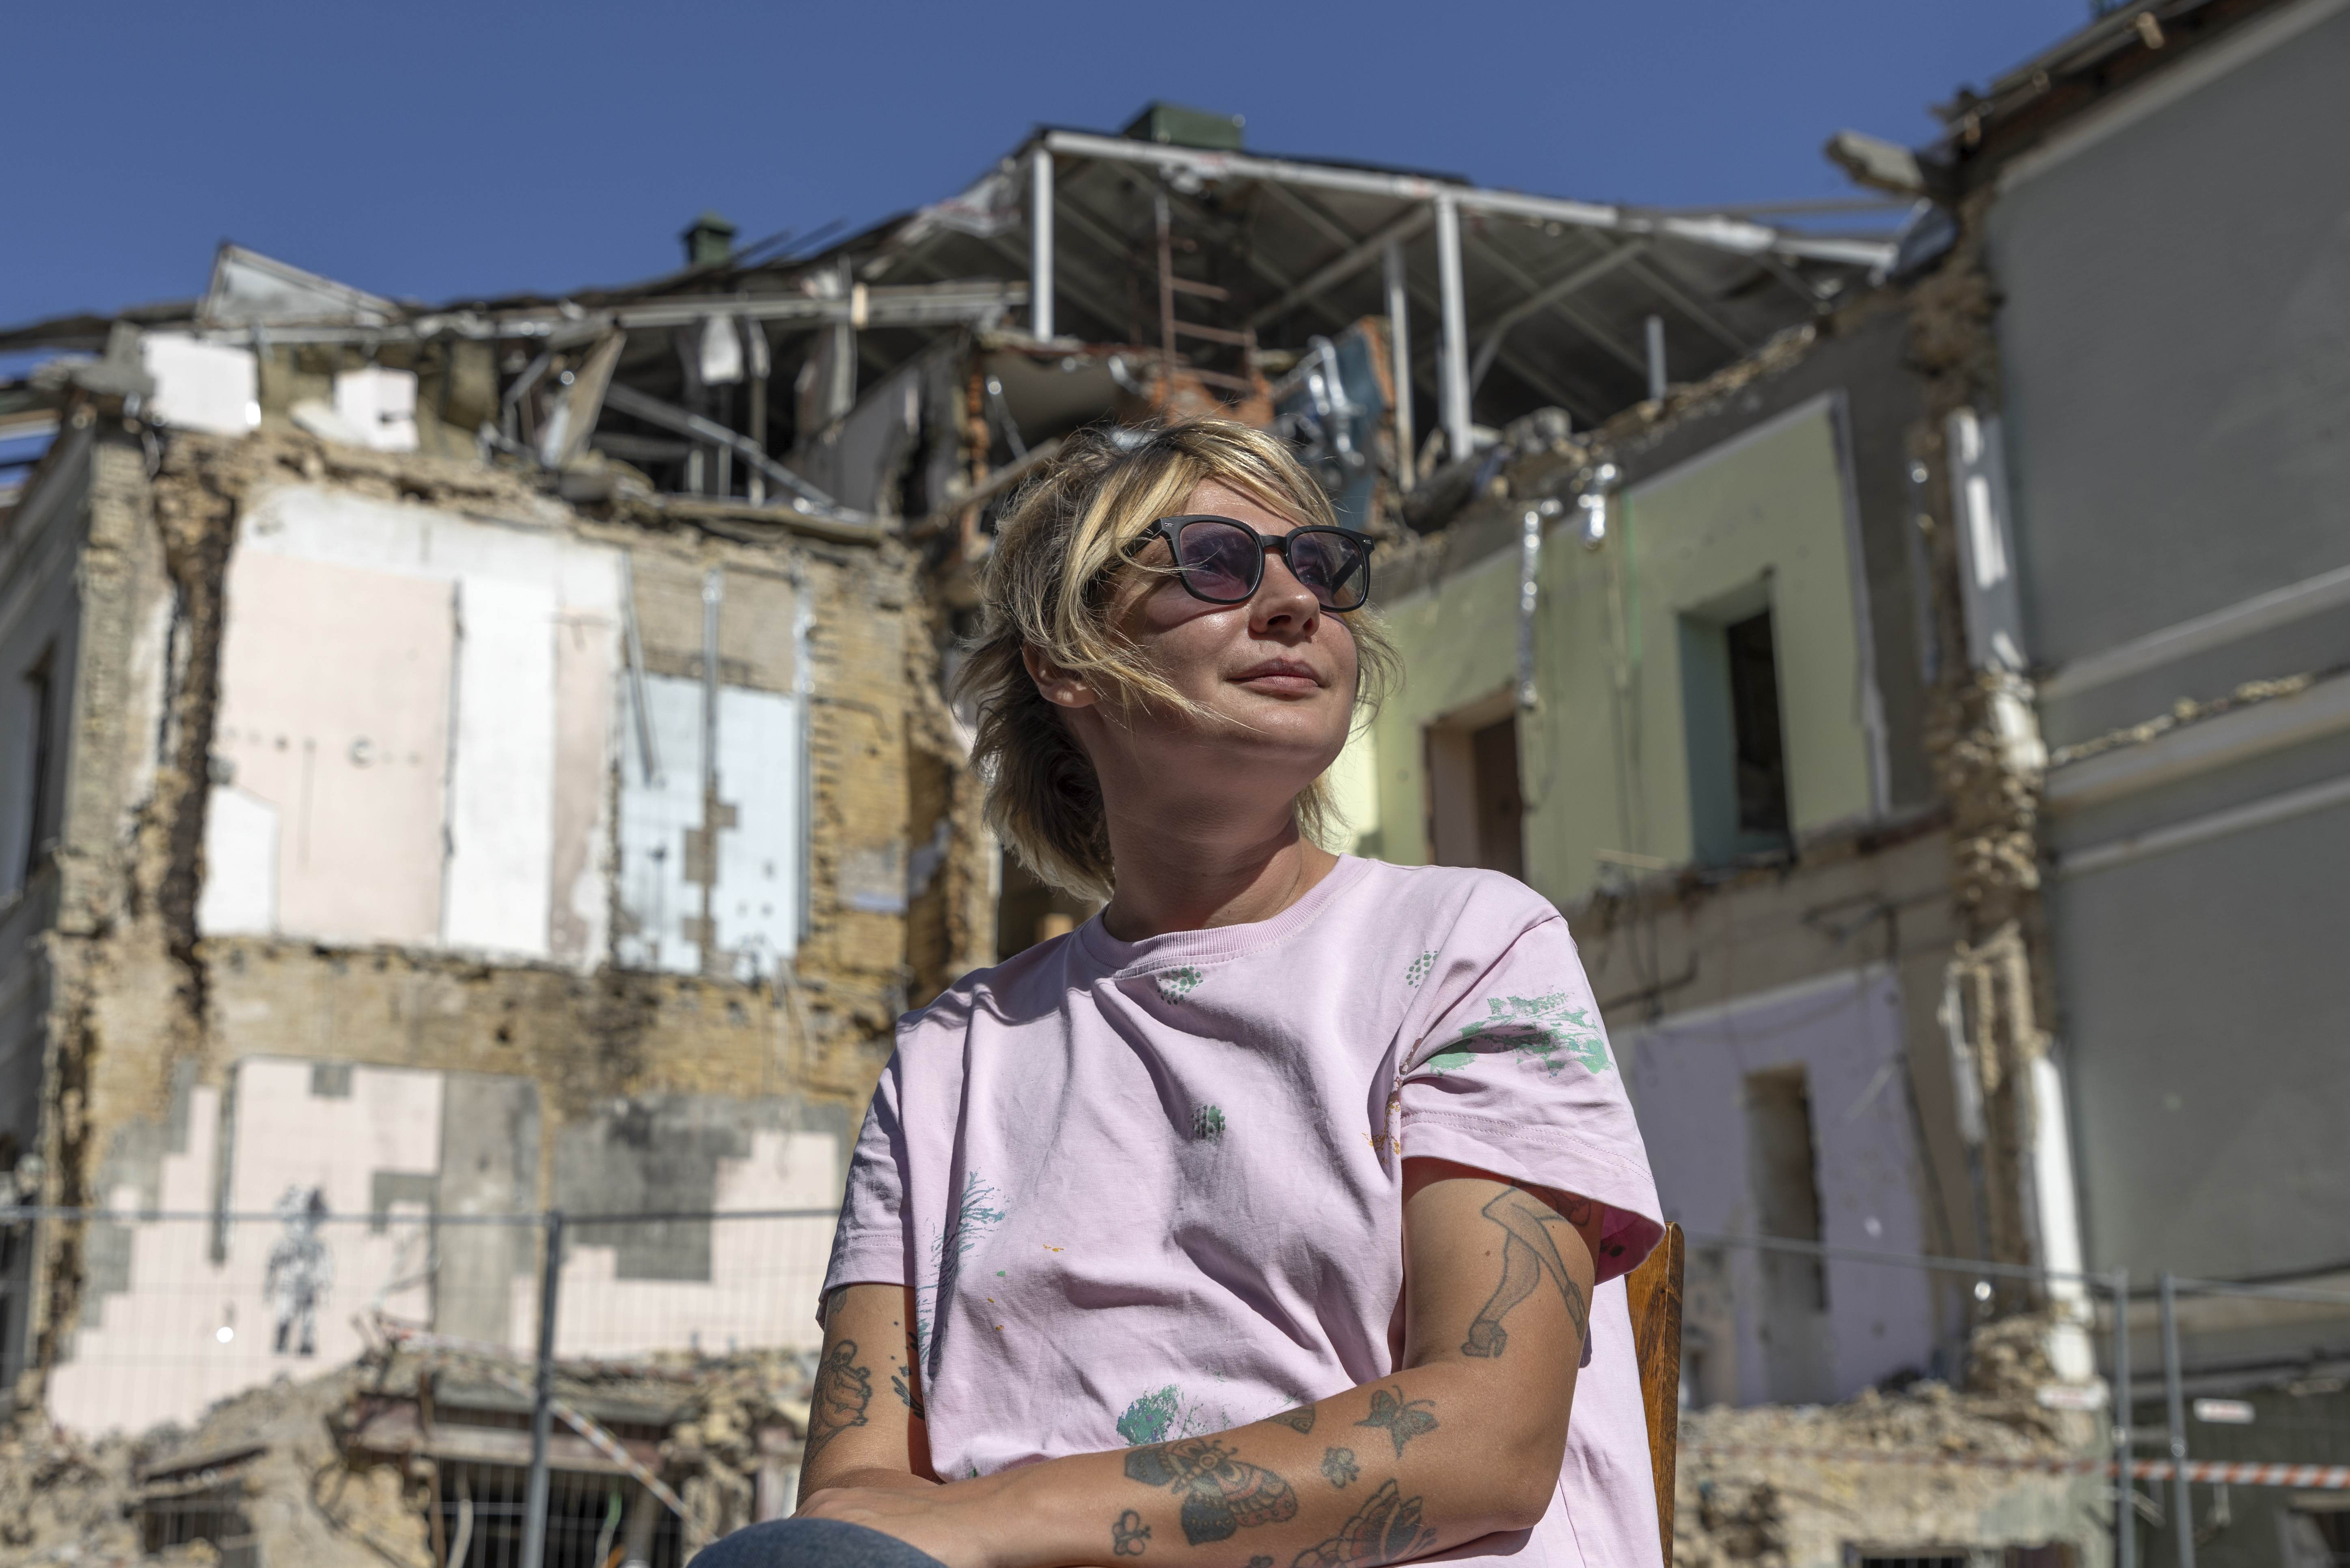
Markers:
(1154, 1190)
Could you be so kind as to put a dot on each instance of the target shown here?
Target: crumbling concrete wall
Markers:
(1985, 740)
(148, 1014)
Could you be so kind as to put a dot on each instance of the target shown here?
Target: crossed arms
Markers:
(1464, 1439)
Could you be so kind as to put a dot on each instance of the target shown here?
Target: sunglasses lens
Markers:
(1335, 568)
(1220, 561)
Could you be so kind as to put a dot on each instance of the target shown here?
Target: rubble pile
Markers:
(1753, 1488)
(270, 1455)
(287, 1466)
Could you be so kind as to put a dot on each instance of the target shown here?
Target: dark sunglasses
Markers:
(1221, 559)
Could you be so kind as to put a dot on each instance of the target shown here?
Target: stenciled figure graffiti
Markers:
(301, 1271)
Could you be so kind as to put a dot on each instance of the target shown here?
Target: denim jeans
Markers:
(811, 1544)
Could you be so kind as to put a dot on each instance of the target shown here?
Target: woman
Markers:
(1258, 1221)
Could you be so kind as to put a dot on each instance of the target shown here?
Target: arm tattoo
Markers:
(1528, 1253)
(1300, 1420)
(1385, 1529)
(843, 1389)
(902, 1382)
(1338, 1466)
(1220, 1493)
(1126, 1536)
(1403, 1418)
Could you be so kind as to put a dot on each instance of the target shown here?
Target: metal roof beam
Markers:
(1549, 293)
(1519, 366)
(1348, 262)
(1718, 231)
(1558, 308)
(1687, 303)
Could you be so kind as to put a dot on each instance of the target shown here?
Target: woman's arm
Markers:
(1465, 1440)
(865, 1413)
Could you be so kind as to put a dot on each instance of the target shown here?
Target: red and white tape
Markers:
(2314, 1478)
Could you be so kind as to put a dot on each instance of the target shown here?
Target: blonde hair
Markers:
(1059, 557)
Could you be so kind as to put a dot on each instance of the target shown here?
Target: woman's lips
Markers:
(1283, 676)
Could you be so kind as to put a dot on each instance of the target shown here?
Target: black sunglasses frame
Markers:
(1172, 528)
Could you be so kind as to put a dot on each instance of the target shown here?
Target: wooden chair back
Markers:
(1655, 1289)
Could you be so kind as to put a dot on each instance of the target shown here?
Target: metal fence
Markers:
(550, 1358)
(2228, 1446)
(558, 1350)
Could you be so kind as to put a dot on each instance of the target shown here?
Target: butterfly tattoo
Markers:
(1403, 1418)
(1220, 1493)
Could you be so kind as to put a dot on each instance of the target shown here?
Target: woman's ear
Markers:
(1057, 685)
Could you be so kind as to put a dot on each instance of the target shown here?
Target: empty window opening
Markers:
(1731, 718)
(1785, 1164)
(214, 1515)
(1761, 748)
(592, 1520)
(1476, 809)
(1791, 1318)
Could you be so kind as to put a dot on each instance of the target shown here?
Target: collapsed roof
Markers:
(1105, 249)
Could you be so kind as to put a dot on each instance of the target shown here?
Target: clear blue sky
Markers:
(431, 149)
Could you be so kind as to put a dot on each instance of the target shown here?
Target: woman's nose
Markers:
(1281, 594)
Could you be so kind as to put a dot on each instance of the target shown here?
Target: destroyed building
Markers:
(495, 758)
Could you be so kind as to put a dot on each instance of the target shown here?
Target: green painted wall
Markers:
(1605, 759)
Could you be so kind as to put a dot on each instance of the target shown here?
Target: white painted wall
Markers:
(157, 1351)
(424, 700)
(502, 775)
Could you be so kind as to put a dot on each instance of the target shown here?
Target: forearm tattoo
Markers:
(1338, 1466)
(1128, 1534)
(1385, 1529)
(1300, 1420)
(1529, 1252)
(1221, 1494)
(907, 1385)
(1403, 1418)
(842, 1391)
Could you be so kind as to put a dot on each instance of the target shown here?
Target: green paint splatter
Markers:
(1149, 1419)
(1207, 1124)
(1178, 983)
(1420, 968)
(1543, 1030)
(1445, 1061)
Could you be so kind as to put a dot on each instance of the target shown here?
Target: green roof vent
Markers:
(1173, 125)
(708, 241)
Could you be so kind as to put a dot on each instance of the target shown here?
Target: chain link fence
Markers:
(591, 1391)
(537, 1389)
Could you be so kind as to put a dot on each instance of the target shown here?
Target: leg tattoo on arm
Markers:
(1220, 1494)
(843, 1389)
(1528, 1253)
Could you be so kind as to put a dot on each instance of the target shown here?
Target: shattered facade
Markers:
(503, 751)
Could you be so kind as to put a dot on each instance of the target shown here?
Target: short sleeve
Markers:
(869, 1244)
(1514, 1076)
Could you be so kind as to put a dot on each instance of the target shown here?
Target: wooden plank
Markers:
(1655, 1292)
